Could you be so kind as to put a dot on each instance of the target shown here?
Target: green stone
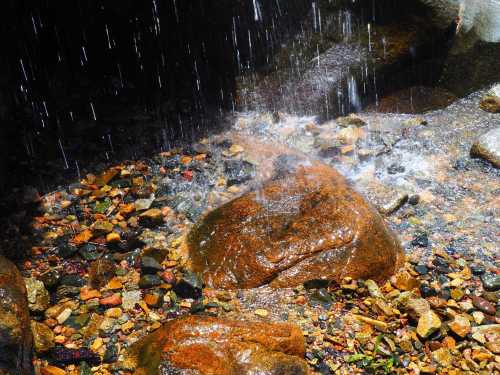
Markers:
(77, 321)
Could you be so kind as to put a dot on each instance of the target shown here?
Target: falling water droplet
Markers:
(93, 111)
(63, 153)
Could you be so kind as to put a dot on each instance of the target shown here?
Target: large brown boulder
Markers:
(15, 333)
(303, 224)
(211, 346)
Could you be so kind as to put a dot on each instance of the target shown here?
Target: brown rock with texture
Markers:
(209, 346)
(15, 333)
(304, 224)
(490, 103)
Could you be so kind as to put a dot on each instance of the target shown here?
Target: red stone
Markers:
(113, 300)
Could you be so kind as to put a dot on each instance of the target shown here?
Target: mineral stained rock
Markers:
(206, 346)
(304, 224)
(15, 333)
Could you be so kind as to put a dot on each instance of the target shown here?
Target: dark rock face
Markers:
(15, 332)
(206, 345)
(304, 225)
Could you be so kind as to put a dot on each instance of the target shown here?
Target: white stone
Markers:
(130, 298)
(64, 315)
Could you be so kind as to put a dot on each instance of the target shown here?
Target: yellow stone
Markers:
(176, 243)
(60, 339)
(428, 323)
(186, 160)
(144, 306)
(261, 312)
(236, 149)
(112, 237)
(382, 326)
(114, 283)
(127, 326)
(114, 312)
(86, 294)
(96, 344)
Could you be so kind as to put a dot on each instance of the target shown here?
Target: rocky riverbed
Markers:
(107, 265)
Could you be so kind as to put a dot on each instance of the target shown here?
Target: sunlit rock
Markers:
(206, 345)
(15, 333)
(304, 224)
(487, 147)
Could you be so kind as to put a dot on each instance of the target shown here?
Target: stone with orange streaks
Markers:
(304, 224)
(206, 346)
(15, 333)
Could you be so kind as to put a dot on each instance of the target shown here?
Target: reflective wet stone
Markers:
(77, 321)
(421, 269)
(150, 265)
(483, 305)
(414, 199)
(491, 282)
(64, 291)
(238, 171)
(43, 337)
(427, 291)
(316, 284)
(111, 353)
(89, 252)
(477, 269)
(72, 280)
(421, 240)
(395, 169)
(38, 296)
(321, 297)
(50, 279)
(149, 281)
(100, 272)
(190, 286)
(66, 250)
(445, 293)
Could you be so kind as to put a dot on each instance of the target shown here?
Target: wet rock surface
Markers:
(114, 282)
(15, 333)
(207, 345)
(307, 224)
(487, 147)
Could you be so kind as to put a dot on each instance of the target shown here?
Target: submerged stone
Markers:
(205, 345)
(304, 225)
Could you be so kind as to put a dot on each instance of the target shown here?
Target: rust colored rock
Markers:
(210, 346)
(15, 333)
(304, 224)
